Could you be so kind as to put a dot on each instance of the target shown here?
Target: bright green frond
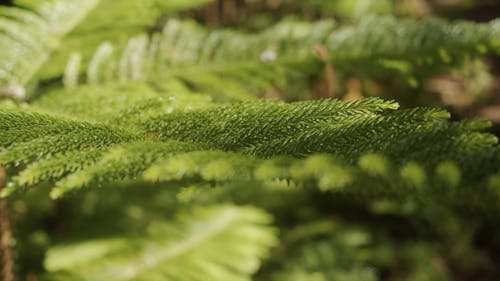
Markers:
(160, 139)
(341, 256)
(32, 32)
(19, 128)
(376, 46)
(43, 147)
(239, 126)
(174, 138)
(120, 163)
(368, 176)
(407, 46)
(53, 168)
(208, 165)
(34, 29)
(115, 22)
(121, 103)
(205, 59)
(206, 244)
(401, 134)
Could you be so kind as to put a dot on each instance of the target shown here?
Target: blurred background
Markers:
(471, 90)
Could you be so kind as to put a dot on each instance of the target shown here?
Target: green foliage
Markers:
(226, 143)
(243, 126)
(346, 8)
(34, 29)
(119, 102)
(203, 58)
(248, 63)
(163, 160)
(120, 163)
(342, 256)
(410, 47)
(210, 243)
(165, 165)
(371, 176)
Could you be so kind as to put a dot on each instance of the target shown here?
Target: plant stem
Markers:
(7, 256)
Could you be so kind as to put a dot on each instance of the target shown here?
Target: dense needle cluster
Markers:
(164, 133)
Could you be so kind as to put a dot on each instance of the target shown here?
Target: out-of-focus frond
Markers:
(208, 243)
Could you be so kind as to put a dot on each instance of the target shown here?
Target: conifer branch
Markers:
(366, 177)
(176, 250)
(243, 125)
(155, 129)
(119, 164)
(377, 46)
(119, 103)
(420, 48)
(35, 29)
(172, 142)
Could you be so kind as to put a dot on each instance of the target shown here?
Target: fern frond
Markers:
(287, 39)
(370, 132)
(208, 243)
(71, 72)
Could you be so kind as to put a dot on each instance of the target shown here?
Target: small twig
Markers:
(7, 256)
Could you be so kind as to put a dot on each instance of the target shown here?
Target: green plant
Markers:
(166, 166)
